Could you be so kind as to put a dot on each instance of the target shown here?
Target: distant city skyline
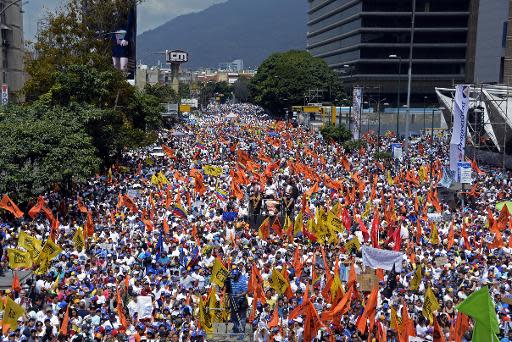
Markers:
(152, 13)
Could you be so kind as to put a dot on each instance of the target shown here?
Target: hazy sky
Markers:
(152, 13)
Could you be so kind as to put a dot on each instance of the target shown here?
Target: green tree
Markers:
(283, 79)
(184, 91)
(241, 89)
(42, 147)
(339, 134)
(163, 92)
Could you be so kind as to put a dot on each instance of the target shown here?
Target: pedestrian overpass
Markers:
(489, 116)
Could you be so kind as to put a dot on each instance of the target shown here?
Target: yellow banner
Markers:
(30, 243)
(50, 250)
(204, 318)
(11, 313)
(434, 235)
(78, 239)
(430, 305)
(278, 282)
(219, 273)
(214, 171)
(297, 226)
(353, 243)
(416, 280)
(19, 259)
(333, 222)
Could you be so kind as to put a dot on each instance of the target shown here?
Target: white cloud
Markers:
(152, 13)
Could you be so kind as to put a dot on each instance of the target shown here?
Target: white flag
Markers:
(381, 258)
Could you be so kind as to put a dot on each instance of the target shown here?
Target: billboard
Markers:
(460, 118)
(115, 21)
(357, 103)
(176, 56)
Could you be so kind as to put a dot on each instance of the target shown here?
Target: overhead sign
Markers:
(5, 94)
(176, 56)
(464, 172)
(185, 108)
(396, 151)
(194, 103)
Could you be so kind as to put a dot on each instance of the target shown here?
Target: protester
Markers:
(248, 220)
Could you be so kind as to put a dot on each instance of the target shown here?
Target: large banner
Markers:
(357, 102)
(460, 118)
(381, 258)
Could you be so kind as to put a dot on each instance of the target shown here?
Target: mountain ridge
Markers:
(236, 29)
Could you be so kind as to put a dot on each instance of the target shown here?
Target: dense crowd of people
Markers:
(259, 226)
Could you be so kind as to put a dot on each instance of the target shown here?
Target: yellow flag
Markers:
(287, 223)
(389, 179)
(334, 223)
(162, 178)
(434, 235)
(30, 243)
(11, 313)
(204, 318)
(430, 305)
(336, 287)
(278, 282)
(78, 239)
(211, 170)
(155, 180)
(216, 314)
(416, 280)
(297, 226)
(395, 320)
(367, 209)
(353, 243)
(49, 251)
(44, 265)
(18, 258)
(219, 273)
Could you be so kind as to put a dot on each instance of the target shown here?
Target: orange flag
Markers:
(438, 332)
(369, 312)
(297, 263)
(120, 311)
(340, 308)
(7, 204)
(81, 206)
(166, 226)
(264, 230)
(16, 283)
(274, 322)
(168, 151)
(407, 327)
(130, 204)
(64, 326)
(451, 237)
(36, 209)
(276, 226)
(352, 277)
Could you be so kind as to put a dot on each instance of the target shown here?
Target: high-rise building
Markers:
(455, 41)
(11, 48)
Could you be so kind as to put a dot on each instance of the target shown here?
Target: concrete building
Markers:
(236, 66)
(12, 46)
(455, 41)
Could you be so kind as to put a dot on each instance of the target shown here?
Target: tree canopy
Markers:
(80, 113)
(283, 79)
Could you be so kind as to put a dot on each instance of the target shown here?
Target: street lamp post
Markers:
(424, 110)
(346, 66)
(398, 92)
(432, 139)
